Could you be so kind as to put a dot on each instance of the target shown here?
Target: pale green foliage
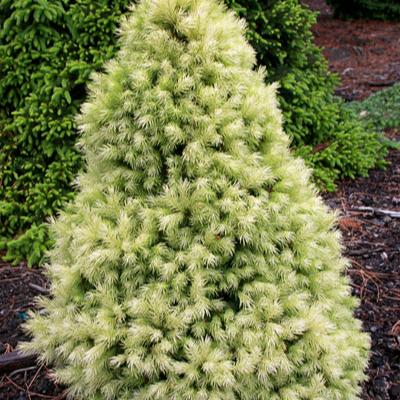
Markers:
(196, 262)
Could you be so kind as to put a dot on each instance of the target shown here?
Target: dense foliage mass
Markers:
(48, 50)
(381, 110)
(196, 261)
(331, 141)
(373, 9)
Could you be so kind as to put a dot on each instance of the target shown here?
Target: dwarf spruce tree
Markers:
(196, 262)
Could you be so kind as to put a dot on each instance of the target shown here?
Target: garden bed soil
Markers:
(18, 288)
(372, 244)
(365, 54)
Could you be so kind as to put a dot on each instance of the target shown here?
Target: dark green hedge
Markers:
(372, 9)
(48, 50)
(323, 131)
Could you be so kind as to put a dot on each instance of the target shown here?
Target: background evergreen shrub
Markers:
(48, 50)
(324, 133)
(196, 261)
(381, 109)
(372, 9)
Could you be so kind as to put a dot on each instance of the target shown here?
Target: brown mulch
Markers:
(366, 54)
(18, 288)
(372, 244)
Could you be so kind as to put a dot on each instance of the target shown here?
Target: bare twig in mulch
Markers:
(383, 83)
(366, 276)
(377, 211)
(38, 288)
(31, 393)
(24, 370)
(396, 329)
(15, 360)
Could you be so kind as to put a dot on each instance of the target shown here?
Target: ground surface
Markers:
(366, 54)
(371, 239)
(373, 246)
(18, 287)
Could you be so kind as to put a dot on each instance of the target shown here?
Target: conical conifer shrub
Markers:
(196, 262)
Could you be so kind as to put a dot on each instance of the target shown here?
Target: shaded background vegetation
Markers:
(373, 9)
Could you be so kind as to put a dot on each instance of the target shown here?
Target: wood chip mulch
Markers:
(370, 223)
(18, 288)
(366, 54)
